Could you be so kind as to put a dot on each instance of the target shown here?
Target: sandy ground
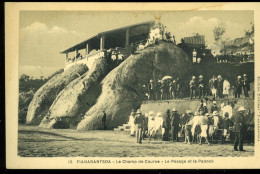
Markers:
(39, 142)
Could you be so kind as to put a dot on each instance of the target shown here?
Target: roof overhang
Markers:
(82, 44)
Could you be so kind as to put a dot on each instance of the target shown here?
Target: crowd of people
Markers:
(204, 124)
(217, 87)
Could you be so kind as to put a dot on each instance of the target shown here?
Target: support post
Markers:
(127, 38)
(66, 57)
(102, 42)
(87, 51)
(76, 52)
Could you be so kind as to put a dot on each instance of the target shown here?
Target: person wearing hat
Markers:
(186, 122)
(194, 56)
(214, 107)
(193, 87)
(239, 128)
(246, 85)
(201, 85)
(220, 86)
(204, 128)
(151, 90)
(131, 122)
(166, 125)
(213, 86)
(238, 87)
(175, 122)
(158, 90)
(225, 126)
(139, 124)
(177, 88)
(104, 118)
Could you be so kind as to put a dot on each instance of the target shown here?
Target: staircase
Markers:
(124, 127)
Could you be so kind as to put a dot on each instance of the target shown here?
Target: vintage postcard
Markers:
(132, 85)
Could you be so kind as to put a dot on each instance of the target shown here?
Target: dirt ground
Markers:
(39, 142)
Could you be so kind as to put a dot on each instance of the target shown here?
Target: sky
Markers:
(43, 34)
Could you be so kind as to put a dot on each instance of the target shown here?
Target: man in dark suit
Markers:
(246, 85)
(175, 124)
(104, 118)
(239, 128)
(139, 124)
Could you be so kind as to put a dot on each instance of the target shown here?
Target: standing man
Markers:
(166, 125)
(158, 90)
(239, 128)
(139, 123)
(201, 85)
(151, 90)
(193, 87)
(194, 56)
(104, 119)
(214, 107)
(175, 124)
(246, 85)
(238, 88)
(220, 86)
(213, 87)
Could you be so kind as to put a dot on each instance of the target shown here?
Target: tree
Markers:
(218, 32)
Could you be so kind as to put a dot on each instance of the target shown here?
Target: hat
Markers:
(239, 77)
(219, 76)
(215, 113)
(200, 76)
(138, 111)
(174, 110)
(151, 113)
(226, 114)
(188, 111)
(151, 80)
(207, 114)
(159, 80)
(241, 108)
(133, 110)
(159, 114)
(193, 77)
(214, 102)
(245, 75)
(204, 104)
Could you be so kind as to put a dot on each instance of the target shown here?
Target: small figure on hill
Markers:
(151, 90)
(104, 119)
(193, 87)
(226, 88)
(194, 56)
(201, 85)
(246, 85)
(219, 86)
(238, 87)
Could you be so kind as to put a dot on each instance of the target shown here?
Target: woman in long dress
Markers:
(131, 123)
(226, 88)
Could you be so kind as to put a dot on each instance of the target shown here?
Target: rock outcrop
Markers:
(76, 98)
(45, 96)
(122, 87)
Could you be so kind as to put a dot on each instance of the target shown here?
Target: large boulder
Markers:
(76, 98)
(45, 96)
(122, 87)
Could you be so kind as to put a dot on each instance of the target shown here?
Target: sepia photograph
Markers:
(131, 84)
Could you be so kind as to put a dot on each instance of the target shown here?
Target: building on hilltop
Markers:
(120, 40)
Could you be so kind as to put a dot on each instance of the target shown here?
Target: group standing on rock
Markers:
(218, 88)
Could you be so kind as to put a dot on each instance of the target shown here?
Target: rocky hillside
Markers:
(76, 97)
(45, 96)
(122, 87)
